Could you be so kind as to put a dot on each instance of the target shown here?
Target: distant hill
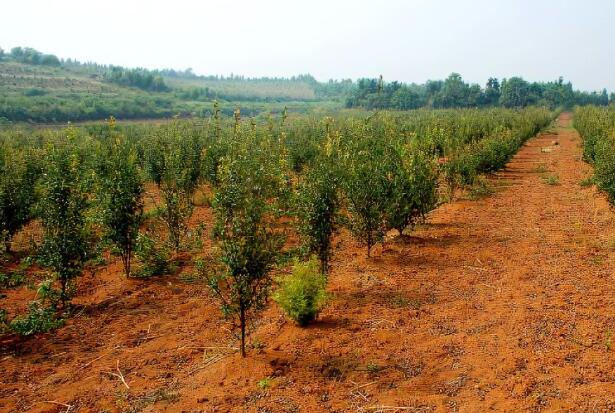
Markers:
(41, 88)
(35, 87)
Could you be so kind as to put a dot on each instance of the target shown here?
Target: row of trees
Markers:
(453, 92)
(30, 56)
(597, 127)
(140, 78)
(370, 175)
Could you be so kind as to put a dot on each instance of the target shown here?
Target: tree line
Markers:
(454, 92)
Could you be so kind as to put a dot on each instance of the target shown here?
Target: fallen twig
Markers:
(87, 364)
(394, 408)
(68, 406)
(119, 374)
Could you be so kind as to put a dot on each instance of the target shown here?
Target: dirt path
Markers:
(502, 304)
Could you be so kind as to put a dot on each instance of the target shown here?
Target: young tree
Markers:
(121, 197)
(18, 175)
(317, 205)
(366, 185)
(179, 158)
(63, 206)
(249, 245)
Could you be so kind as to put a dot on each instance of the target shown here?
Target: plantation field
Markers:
(461, 261)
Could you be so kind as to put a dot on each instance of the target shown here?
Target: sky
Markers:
(410, 41)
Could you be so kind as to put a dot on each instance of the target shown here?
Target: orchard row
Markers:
(265, 180)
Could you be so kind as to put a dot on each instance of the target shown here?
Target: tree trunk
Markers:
(242, 322)
(63, 296)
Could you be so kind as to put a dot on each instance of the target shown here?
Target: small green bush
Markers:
(154, 258)
(12, 279)
(42, 315)
(550, 180)
(302, 295)
(39, 319)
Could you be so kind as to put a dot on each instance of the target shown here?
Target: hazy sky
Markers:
(411, 40)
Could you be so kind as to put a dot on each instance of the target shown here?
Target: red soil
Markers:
(502, 304)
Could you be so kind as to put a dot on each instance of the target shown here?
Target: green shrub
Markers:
(180, 174)
(302, 295)
(154, 259)
(12, 279)
(39, 319)
(42, 315)
(550, 179)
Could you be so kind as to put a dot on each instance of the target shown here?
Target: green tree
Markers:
(514, 92)
(17, 196)
(121, 197)
(179, 156)
(413, 188)
(366, 185)
(492, 92)
(454, 93)
(63, 207)
(245, 230)
(317, 208)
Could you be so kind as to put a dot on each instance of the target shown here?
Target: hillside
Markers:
(70, 91)
(41, 88)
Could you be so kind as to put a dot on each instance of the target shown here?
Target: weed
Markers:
(264, 384)
(587, 182)
(373, 368)
(550, 180)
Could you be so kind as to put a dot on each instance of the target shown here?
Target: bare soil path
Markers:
(502, 304)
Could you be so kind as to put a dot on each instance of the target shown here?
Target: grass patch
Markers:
(550, 180)
(587, 182)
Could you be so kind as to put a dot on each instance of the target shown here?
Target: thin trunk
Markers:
(242, 322)
(63, 296)
(324, 266)
(126, 258)
(128, 262)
